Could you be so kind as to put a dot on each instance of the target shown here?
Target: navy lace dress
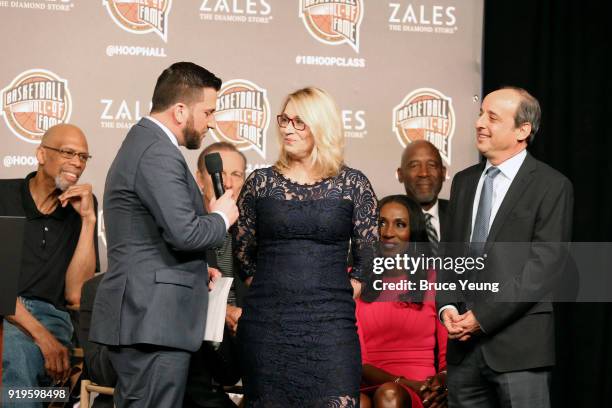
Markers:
(297, 331)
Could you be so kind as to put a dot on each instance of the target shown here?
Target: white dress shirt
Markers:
(174, 141)
(501, 184)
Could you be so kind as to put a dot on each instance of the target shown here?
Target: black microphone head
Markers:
(213, 162)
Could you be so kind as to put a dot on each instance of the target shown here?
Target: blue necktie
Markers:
(483, 215)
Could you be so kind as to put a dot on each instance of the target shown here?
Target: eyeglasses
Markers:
(69, 154)
(283, 121)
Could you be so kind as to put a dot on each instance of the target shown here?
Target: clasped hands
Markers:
(460, 327)
(432, 391)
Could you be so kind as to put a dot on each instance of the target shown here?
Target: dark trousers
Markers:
(149, 376)
(473, 384)
(209, 370)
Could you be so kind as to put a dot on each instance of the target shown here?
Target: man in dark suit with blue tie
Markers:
(500, 353)
(150, 308)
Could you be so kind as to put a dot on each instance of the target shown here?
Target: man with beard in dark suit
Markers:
(150, 307)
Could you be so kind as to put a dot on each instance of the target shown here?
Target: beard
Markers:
(61, 184)
(192, 138)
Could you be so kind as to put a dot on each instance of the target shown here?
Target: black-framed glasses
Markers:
(283, 121)
(69, 154)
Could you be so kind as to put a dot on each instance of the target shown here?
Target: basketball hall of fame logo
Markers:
(141, 16)
(427, 114)
(333, 22)
(243, 115)
(33, 102)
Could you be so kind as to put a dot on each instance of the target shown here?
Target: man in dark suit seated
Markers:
(422, 173)
(234, 172)
(500, 353)
(59, 254)
(211, 367)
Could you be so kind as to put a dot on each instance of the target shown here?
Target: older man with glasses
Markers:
(59, 254)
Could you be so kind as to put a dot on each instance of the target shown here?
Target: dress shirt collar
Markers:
(511, 166)
(434, 211)
(165, 129)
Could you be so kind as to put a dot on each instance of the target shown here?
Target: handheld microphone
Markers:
(214, 167)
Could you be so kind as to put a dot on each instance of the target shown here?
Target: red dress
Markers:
(400, 338)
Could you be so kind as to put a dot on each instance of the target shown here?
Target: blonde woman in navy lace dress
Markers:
(297, 331)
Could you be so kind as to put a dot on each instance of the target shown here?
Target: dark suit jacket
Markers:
(156, 288)
(442, 213)
(537, 208)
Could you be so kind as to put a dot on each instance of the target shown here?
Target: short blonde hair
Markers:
(318, 110)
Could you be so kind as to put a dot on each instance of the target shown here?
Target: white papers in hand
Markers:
(217, 306)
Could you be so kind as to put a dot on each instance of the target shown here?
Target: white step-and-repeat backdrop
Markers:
(400, 70)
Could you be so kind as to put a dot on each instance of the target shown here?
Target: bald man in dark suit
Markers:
(422, 173)
(500, 354)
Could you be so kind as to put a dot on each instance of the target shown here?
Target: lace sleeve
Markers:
(365, 226)
(245, 235)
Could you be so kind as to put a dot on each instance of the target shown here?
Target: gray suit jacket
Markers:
(157, 231)
(536, 209)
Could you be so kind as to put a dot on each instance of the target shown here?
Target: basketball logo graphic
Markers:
(243, 115)
(141, 16)
(34, 101)
(333, 22)
(427, 114)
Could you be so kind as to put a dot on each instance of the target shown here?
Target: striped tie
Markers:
(431, 233)
(225, 264)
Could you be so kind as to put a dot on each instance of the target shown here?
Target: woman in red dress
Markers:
(403, 344)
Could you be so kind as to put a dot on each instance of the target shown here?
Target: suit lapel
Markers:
(515, 192)
(472, 184)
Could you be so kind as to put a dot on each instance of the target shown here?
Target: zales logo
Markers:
(241, 11)
(428, 114)
(35, 101)
(421, 18)
(141, 16)
(243, 115)
(333, 22)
